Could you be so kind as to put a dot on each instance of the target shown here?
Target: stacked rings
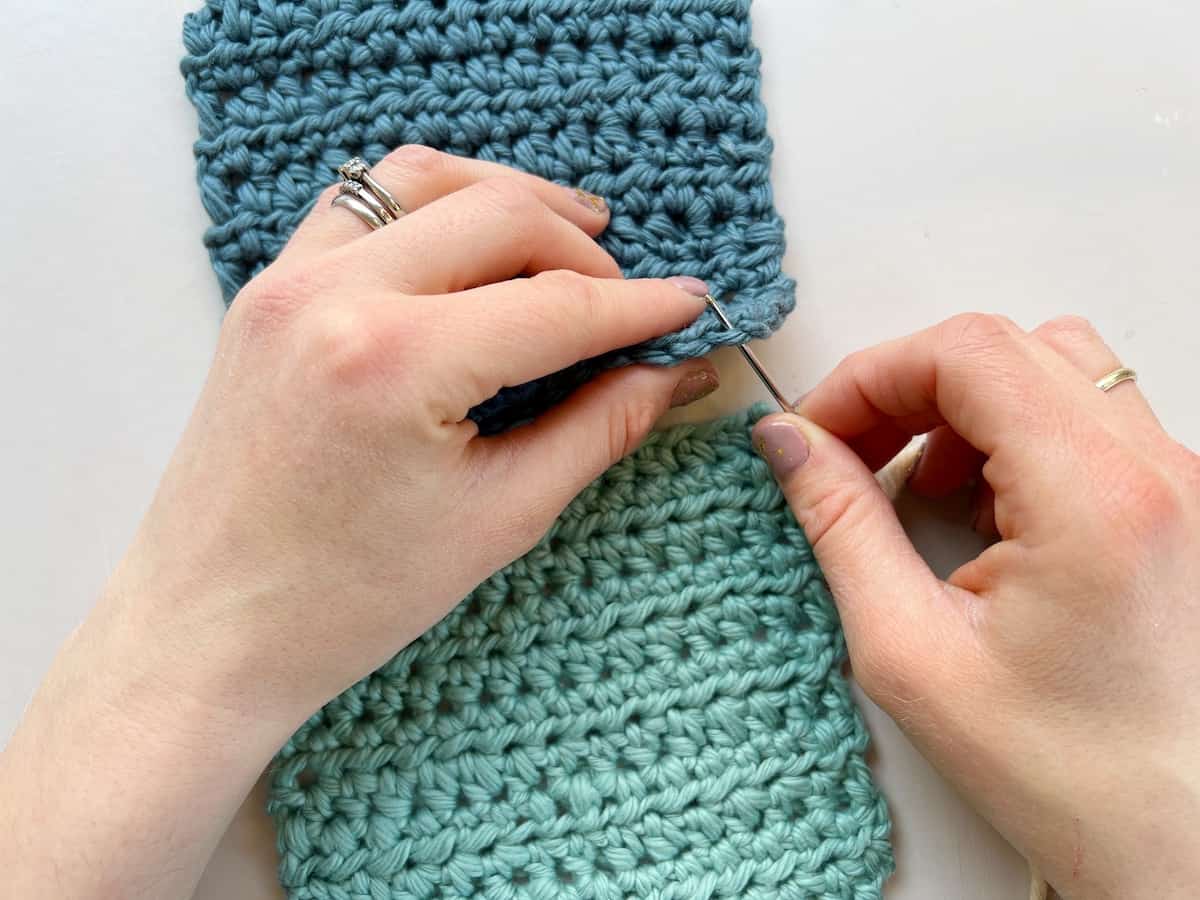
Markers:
(364, 196)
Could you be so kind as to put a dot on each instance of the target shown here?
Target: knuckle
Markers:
(570, 289)
(412, 161)
(864, 369)
(1150, 502)
(348, 346)
(852, 362)
(508, 196)
(1138, 506)
(973, 331)
(571, 303)
(269, 303)
(858, 368)
(1070, 328)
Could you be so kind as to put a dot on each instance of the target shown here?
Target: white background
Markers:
(932, 156)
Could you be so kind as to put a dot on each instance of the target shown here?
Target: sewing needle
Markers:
(750, 358)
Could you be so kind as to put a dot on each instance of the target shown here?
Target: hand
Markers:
(1054, 678)
(330, 501)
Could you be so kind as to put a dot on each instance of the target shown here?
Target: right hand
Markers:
(1055, 679)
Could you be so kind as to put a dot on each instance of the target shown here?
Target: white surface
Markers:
(932, 156)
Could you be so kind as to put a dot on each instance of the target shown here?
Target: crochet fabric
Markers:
(652, 104)
(647, 705)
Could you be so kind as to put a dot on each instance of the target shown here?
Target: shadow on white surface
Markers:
(935, 834)
(246, 860)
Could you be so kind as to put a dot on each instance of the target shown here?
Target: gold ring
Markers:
(1115, 377)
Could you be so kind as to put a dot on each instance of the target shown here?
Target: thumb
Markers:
(546, 463)
(886, 595)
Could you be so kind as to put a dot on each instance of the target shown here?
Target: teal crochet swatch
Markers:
(647, 705)
(652, 104)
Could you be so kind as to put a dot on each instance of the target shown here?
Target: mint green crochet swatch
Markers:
(647, 705)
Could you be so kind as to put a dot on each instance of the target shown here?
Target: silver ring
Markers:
(360, 209)
(358, 191)
(355, 169)
(1115, 377)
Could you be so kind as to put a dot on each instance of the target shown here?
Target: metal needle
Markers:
(753, 360)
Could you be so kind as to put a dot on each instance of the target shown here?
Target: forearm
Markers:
(119, 781)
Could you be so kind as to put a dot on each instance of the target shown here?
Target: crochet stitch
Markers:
(647, 705)
(652, 104)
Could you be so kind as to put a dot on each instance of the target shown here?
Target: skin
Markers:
(329, 502)
(1053, 678)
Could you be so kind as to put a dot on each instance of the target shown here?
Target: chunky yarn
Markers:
(647, 705)
(652, 104)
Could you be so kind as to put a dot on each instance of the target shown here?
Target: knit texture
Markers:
(652, 104)
(647, 705)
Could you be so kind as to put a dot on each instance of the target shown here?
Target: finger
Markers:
(1074, 339)
(489, 231)
(925, 380)
(947, 463)
(416, 176)
(991, 383)
(897, 615)
(519, 330)
(551, 460)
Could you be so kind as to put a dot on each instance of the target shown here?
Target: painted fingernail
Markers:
(693, 286)
(782, 445)
(695, 385)
(591, 201)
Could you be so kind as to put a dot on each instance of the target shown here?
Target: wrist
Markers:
(1141, 840)
(186, 639)
(1158, 855)
(129, 755)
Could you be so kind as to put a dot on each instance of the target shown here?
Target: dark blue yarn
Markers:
(652, 104)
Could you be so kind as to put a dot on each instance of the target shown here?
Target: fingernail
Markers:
(695, 385)
(782, 445)
(591, 201)
(693, 286)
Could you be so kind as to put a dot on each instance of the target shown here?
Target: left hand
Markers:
(329, 502)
